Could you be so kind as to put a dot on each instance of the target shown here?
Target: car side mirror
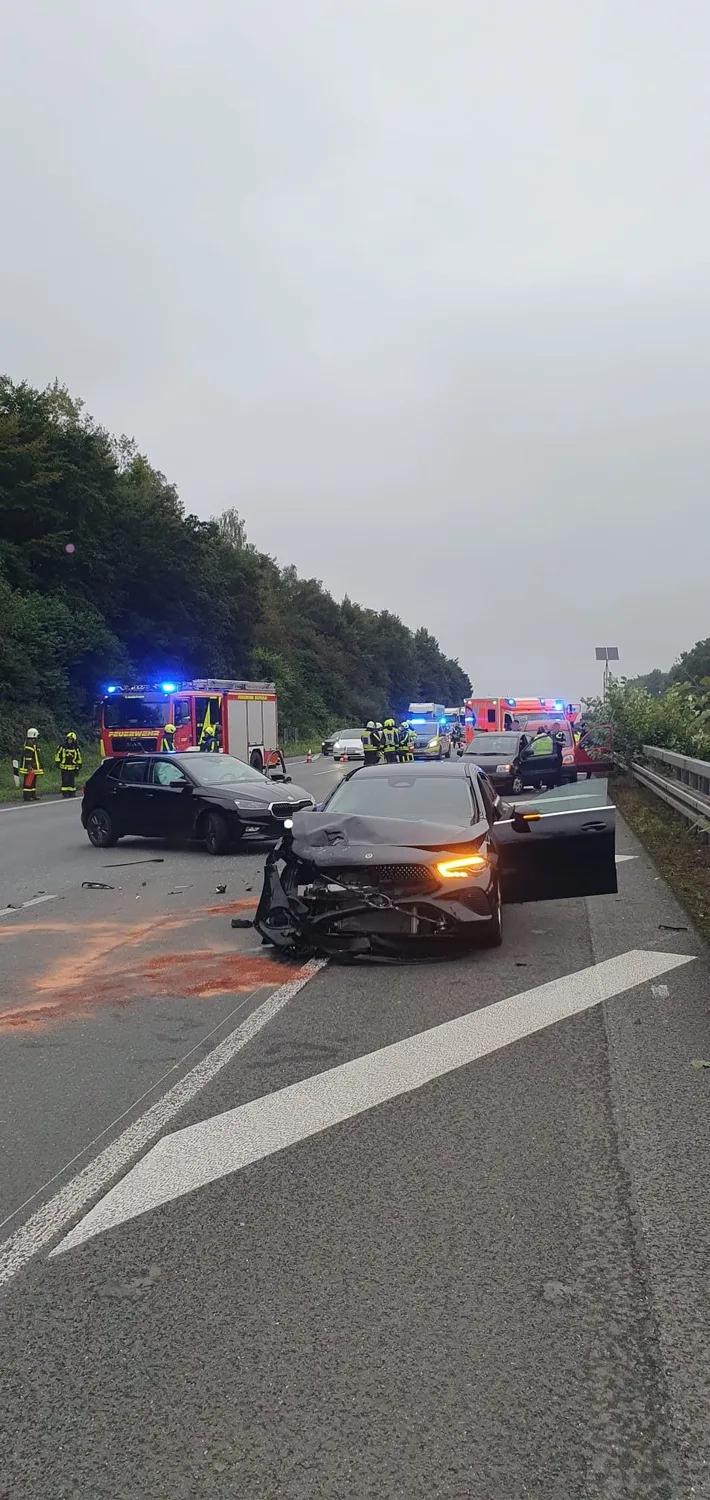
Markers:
(521, 821)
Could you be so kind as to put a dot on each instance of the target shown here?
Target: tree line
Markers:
(103, 576)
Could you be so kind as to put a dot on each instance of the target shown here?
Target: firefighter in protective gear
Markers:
(380, 737)
(406, 739)
(391, 743)
(167, 739)
(457, 738)
(370, 743)
(30, 767)
(208, 734)
(68, 758)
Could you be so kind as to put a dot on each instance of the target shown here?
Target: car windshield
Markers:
(493, 744)
(426, 726)
(213, 770)
(134, 713)
(350, 734)
(445, 799)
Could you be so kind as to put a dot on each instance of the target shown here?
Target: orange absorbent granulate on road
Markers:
(118, 965)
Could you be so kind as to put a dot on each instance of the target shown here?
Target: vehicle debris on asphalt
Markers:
(96, 885)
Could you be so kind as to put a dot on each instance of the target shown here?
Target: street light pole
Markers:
(607, 654)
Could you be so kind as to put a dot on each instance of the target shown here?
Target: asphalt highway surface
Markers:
(273, 1232)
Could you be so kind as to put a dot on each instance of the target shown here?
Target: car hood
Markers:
(249, 791)
(324, 837)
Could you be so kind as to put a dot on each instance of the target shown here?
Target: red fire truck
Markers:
(245, 714)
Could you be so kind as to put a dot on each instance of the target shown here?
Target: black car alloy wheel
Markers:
(216, 833)
(99, 826)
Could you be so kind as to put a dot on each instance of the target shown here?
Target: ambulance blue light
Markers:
(112, 688)
(169, 687)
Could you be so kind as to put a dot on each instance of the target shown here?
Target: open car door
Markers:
(557, 845)
(595, 751)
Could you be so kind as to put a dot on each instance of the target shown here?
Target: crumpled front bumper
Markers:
(332, 920)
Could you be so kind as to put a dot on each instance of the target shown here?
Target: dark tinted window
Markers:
(181, 712)
(488, 795)
(493, 744)
(134, 769)
(134, 713)
(112, 768)
(166, 773)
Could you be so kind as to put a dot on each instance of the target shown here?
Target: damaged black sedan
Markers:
(424, 857)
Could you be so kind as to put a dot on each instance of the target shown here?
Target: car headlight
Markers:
(457, 869)
(432, 744)
(504, 768)
(245, 806)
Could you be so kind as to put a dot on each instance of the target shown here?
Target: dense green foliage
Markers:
(149, 591)
(676, 719)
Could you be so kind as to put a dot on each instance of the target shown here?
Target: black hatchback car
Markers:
(215, 799)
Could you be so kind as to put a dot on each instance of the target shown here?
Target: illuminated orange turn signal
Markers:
(455, 869)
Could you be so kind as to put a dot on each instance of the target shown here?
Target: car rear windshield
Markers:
(493, 744)
(403, 795)
(215, 770)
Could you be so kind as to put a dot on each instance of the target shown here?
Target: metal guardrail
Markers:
(684, 783)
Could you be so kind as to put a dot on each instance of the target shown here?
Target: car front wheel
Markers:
(517, 786)
(216, 833)
(492, 934)
(100, 828)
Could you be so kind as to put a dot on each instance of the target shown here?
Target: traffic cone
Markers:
(309, 757)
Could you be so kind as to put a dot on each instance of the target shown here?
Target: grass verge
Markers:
(50, 782)
(679, 855)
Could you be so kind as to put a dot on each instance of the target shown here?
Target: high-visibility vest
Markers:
(68, 758)
(167, 741)
(390, 739)
(369, 741)
(543, 745)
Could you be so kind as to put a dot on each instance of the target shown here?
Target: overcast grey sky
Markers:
(421, 286)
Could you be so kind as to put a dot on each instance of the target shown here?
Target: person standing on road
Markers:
(542, 742)
(560, 746)
(391, 746)
(30, 767)
(68, 758)
(380, 738)
(457, 738)
(370, 744)
(405, 739)
(167, 739)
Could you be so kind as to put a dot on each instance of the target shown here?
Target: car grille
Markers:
(287, 809)
(128, 744)
(409, 879)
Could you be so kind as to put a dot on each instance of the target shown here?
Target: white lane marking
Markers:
(620, 858)
(13, 911)
(54, 1216)
(331, 769)
(202, 1153)
(43, 802)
